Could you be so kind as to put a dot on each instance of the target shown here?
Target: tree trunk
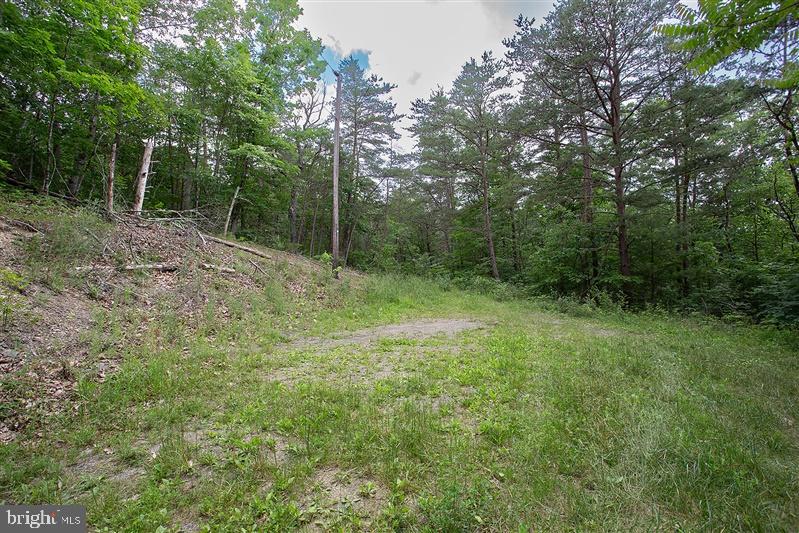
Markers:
(187, 191)
(684, 236)
(350, 233)
(141, 179)
(313, 226)
(230, 210)
(618, 168)
(51, 164)
(238, 218)
(82, 159)
(350, 226)
(587, 214)
(487, 212)
(624, 252)
(293, 230)
(112, 167)
(517, 257)
(727, 206)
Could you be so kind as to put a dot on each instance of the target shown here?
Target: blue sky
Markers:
(333, 58)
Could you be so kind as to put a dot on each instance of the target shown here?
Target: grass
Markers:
(541, 421)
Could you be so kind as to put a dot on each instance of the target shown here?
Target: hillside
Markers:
(227, 390)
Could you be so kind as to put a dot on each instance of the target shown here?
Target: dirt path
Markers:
(417, 329)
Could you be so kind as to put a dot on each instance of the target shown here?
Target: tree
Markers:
(610, 46)
(759, 39)
(67, 67)
(368, 121)
(308, 134)
(475, 102)
(436, 171)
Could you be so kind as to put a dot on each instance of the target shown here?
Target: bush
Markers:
(487, 286)
(776, 300)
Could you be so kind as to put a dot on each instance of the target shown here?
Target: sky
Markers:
(414, 44)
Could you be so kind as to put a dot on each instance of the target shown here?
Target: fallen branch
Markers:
(209, 266)
(20, 224)
(200, 235)
(93, 267)
(253, 251)
(259, 269)
(161, 267)
(105, 244)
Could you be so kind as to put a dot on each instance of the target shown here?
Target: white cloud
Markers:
(335, 45)
(416, 44)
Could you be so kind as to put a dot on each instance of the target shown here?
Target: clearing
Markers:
(272, 397)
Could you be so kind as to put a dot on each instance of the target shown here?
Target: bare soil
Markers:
(417, 329)
(333, 492)
(374, 362)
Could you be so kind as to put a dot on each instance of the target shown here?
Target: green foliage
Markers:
(718, 30)
(13, 280)
(564, 171)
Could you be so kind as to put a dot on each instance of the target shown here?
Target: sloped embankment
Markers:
(77, 292)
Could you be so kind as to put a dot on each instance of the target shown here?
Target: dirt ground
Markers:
(415, 330)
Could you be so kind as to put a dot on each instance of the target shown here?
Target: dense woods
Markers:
(628, 151)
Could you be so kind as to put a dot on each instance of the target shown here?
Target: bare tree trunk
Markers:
(186, 191)
(313, 225)
(141, 179)
(112, 167)
(230, 211)
(51, 163)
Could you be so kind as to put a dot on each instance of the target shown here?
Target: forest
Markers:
(622, 152)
